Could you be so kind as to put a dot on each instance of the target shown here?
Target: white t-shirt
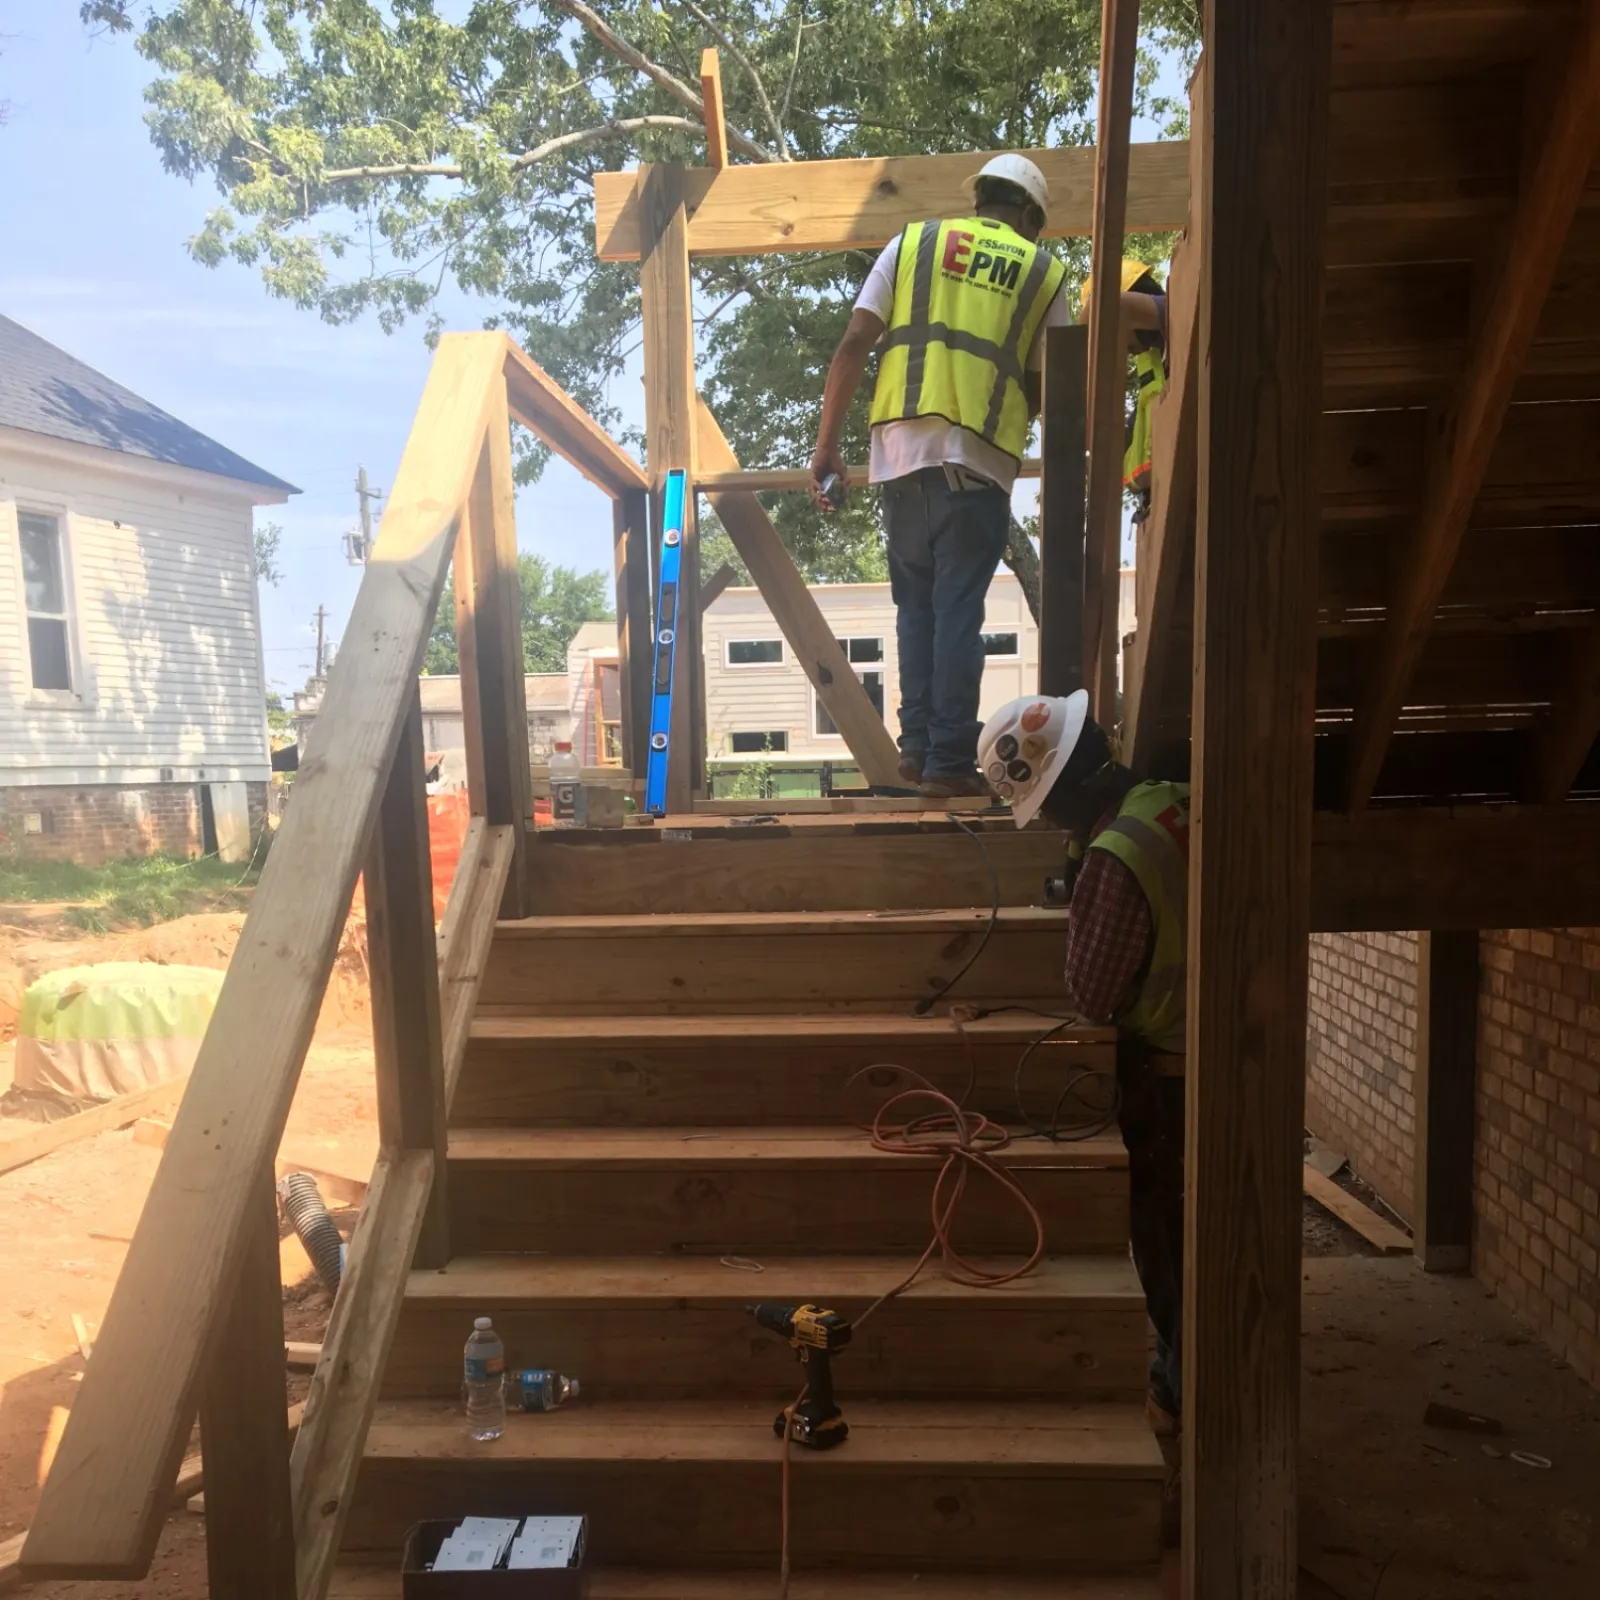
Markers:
(901, 448)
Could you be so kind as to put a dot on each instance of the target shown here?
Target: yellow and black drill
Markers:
(815, 1333)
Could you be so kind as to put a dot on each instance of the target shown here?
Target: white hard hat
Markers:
(1026, 744)
(1018, 170)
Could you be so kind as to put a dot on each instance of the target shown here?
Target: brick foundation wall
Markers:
(1538, 1149)
(1361, 1053)
(92, 823)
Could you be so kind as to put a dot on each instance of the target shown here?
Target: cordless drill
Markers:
(815, 1334)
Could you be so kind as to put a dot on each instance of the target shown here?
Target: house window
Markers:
(44, 590)
(858, 651)
(754, 744)
(1001, 646)
(755, 652)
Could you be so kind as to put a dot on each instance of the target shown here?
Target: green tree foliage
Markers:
(265, 542)
(556, 602)
(368, 151)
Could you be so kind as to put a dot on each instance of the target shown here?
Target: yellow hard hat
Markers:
(1132, 272)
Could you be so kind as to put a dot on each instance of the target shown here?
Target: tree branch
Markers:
(676, 87)
(1023, 560)
(619, 129)
(721, 34)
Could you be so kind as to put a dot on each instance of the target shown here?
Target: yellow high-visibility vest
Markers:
(1151, 372)
(969, 298)
(1150, 837)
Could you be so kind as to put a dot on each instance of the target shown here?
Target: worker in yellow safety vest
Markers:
(1126, 965)
(959, 308)
(1144, 329)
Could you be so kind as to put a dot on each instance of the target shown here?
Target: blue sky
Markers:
(97, 265)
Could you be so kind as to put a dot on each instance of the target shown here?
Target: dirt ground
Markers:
(1392, 1509)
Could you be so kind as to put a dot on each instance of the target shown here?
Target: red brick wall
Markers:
(1538, 1150)
(92, 823)
(1360, 1054)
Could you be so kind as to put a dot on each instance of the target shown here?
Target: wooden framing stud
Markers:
(716, 118)
(1063, 449)
(1446, 1085)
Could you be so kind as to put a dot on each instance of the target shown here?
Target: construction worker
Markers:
(960, 307)
(1144, 329)
(1126, 965)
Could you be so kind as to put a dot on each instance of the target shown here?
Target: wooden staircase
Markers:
(655, 1124)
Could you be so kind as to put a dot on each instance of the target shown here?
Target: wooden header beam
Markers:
(863, 204)
(716, 119)
(541, 405)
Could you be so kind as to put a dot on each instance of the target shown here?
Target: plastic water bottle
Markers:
(538, 1389)
(485, 1381)
(566, 777)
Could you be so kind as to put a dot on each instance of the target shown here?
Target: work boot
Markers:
(955, 785)
(911, 770)
(1169, 1440)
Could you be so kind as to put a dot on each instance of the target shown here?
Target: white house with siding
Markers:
(132, 695)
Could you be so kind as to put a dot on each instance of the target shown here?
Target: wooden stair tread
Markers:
(810, 1147)
(362, 1580)
(552, 1282)
(1092, 1439)
(1004, 1027)
(829, 924)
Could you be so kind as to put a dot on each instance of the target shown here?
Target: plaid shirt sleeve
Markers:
(1109, 934)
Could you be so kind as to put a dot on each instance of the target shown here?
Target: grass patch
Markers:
(138, 892)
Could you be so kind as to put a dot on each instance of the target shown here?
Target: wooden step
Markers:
(600, 1071)
(669, 1328)
(762, 1191)
(788, 961)
(791, 866)
(957, 1483)
(375, 1580)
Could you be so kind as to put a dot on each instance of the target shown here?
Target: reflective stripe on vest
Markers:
(1152, 375)
(1150, 836)
(969, 298)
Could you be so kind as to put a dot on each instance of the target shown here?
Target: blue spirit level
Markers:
(655, 779)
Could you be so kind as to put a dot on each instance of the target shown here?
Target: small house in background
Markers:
(132, 695)
(595, 683)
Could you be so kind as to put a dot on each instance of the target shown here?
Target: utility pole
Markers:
(322, 617)
(358, 547)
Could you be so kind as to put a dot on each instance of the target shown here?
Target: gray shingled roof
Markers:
(44, 390)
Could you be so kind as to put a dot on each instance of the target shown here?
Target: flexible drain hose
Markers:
(303, 1205)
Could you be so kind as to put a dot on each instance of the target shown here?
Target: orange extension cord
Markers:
(969, 1142)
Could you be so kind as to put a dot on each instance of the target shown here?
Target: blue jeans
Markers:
(944, 546)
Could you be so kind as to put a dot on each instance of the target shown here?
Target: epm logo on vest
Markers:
(999, 261)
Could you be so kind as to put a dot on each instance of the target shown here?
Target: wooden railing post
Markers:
(404, 976)
(1063, 447)
(630, 513)
(244, 1428)
(493, 690)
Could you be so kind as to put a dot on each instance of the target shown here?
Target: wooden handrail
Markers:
(191, 1272)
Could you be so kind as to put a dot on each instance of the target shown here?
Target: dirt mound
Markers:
(206, 939)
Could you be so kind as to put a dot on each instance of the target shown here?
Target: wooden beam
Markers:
(667, 293)
(344, 1388)
(403, 970)
(542, 406)
(775, 207)
(1165, 539)
(18, 1149)
(1260, 306)
(1379, 1232)
(797, 480)
(716, 118)
(1465, 432)
(1562, 741)
(1446, 1090)
(630, 553)
(1063, 446)
(715, 584)
(796, 612)
(1108, 358)
(101, 1511)
(243, 1429)
(497, 632)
